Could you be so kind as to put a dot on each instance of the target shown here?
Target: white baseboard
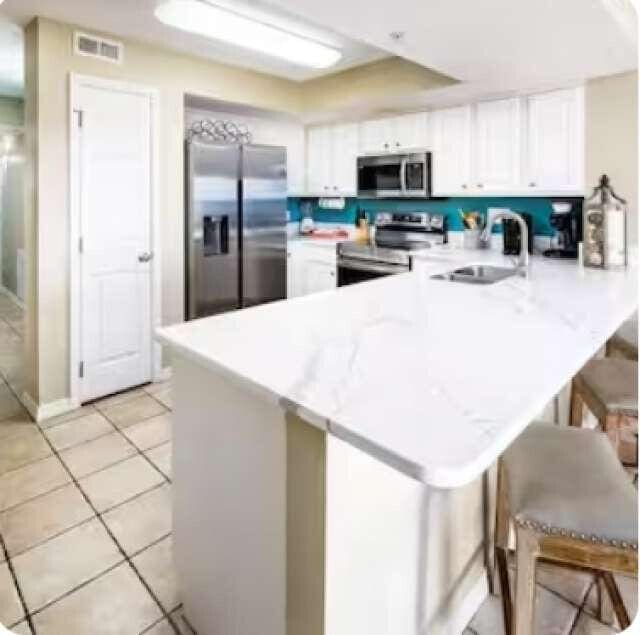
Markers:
(47, 410)
(12, 295)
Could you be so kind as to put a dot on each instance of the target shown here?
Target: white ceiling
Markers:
(11, 59)
(507, 43)
(134, 19)
(492, 46)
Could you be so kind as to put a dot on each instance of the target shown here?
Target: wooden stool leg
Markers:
(605, 606)
(577, 406)
(526, 555)
(616, 600)
(505, 589)
(610, 425)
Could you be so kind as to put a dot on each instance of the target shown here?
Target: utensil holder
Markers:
(471, 238)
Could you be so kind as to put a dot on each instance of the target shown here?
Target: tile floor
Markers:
(85, 523)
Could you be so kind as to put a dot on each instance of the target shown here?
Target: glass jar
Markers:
(605, 228)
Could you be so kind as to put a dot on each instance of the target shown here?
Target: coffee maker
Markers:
(566, 220)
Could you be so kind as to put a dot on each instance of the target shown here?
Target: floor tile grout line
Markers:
(81, 443)
(14, 577)
(118, 545)
(143, 453)
(89, 519)
(76, 588)
(155, 543)
(72, 417)
(23, 465)
(579, 612)
(48, 539)
(34, 498)
(166, 480)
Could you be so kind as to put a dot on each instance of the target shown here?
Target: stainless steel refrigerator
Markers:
(236, 226)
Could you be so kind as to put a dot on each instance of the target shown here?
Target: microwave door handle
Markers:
(403, 176)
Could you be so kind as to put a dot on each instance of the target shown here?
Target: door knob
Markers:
(145, 257)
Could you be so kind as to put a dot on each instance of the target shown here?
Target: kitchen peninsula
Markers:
(329, 450)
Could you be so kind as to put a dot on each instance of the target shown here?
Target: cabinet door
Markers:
(556, 141)
(410, 132)
(295, 161)
(292, 278)
(319, 159)
(344, 154)
(375, 136)
(451, 135)
(317, 275)
(497, 158)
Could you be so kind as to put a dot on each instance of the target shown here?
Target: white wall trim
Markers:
(75, 322)
(48, 410)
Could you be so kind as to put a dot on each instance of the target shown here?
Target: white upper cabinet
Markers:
(496, 146)
(344, 150)
(394, 134)
(555, 144)
(319, 159)
(451, 147)
(331, 160)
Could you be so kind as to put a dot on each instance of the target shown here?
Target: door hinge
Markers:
(80, 245)
(81, 370)
(80, 114)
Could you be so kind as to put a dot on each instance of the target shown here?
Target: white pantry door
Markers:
(115, 239)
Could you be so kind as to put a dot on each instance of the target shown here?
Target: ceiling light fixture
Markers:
(223, 24)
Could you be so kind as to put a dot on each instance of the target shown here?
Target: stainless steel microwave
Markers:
(395, 175)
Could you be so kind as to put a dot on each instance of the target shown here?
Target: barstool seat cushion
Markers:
(569, 481)
(614, 383)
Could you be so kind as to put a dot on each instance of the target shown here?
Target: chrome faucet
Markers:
(523, 259)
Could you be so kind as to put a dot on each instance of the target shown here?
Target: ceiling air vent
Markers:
(94, 46)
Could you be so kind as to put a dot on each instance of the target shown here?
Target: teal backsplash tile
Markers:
(538, 207)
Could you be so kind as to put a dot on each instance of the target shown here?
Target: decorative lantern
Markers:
(605, 228)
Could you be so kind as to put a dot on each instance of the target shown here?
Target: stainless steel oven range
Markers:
(398, 237)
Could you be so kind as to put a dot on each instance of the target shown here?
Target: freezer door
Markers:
(264, 215)
(212, 221)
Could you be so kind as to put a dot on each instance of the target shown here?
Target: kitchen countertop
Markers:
(434, 378)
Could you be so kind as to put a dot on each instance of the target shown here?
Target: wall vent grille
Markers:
(95, 46)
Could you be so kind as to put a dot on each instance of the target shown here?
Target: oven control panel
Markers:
(412, 222)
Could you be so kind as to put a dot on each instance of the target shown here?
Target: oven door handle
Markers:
(403, 176)
(369, 265)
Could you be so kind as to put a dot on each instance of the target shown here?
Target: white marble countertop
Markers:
(434, 378)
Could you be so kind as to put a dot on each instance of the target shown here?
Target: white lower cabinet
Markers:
(310, 269)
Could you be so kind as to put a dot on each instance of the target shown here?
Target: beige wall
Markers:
(12, 211)
(50, 60)
(369, 89)
(11, 111)
(611, 119)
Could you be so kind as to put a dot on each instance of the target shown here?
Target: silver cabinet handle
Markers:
(480, 185)
(145, 257)
(464, 186)
(532, 184)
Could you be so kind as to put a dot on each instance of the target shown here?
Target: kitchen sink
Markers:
(477, 274)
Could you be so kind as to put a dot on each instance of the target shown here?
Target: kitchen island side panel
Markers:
(248, 488)
(402, 557)
(229, 497)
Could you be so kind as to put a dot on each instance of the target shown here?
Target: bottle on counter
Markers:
(362, 224)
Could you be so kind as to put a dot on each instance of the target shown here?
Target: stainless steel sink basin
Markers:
(477, 274)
